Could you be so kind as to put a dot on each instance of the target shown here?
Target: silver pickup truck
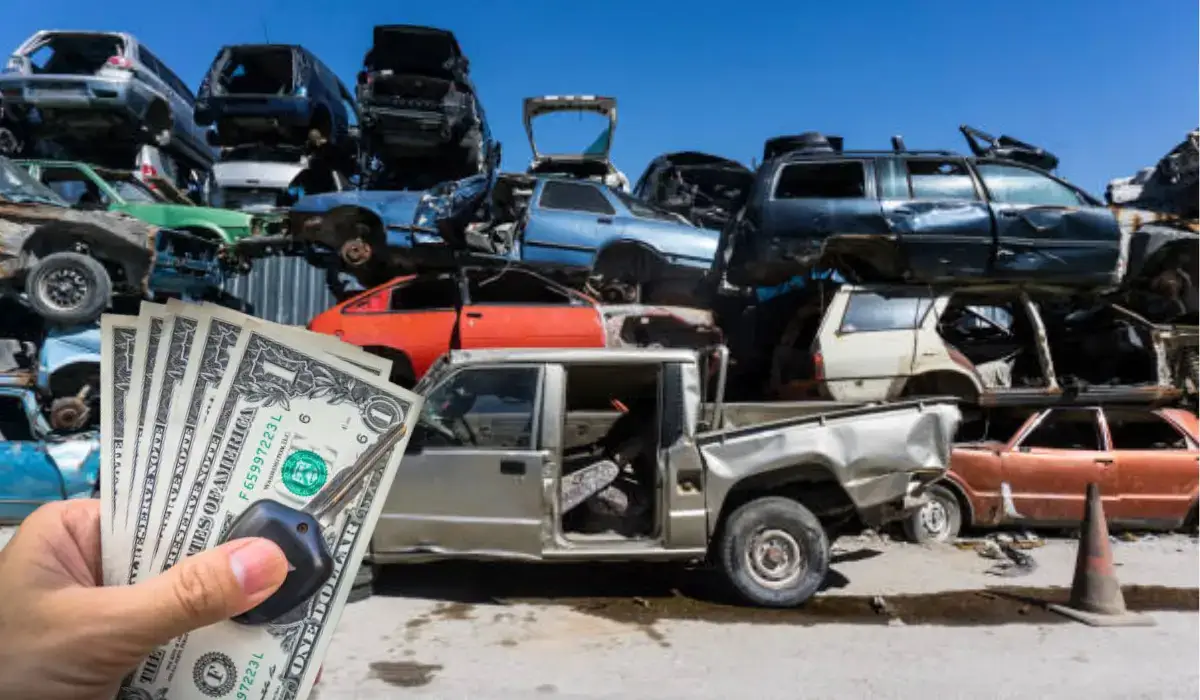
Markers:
(607, 454)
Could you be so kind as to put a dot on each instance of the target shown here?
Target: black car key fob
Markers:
(298, 534)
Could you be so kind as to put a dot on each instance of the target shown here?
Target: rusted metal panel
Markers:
(287, 290)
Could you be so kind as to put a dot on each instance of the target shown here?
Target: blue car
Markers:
(590, 235)
(40, 467)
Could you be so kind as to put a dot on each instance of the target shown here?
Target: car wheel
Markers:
(774, 552)
(939, 520)
(69, 288)
(364, 579)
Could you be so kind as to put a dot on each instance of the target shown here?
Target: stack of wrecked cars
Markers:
(991, 278)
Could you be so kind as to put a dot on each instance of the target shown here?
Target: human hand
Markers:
(64, 635)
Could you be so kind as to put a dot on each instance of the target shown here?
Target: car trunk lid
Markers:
(536, 107)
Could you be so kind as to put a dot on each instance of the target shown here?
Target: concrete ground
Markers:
(897, 621)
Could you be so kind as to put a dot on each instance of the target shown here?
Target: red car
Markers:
(413, 320)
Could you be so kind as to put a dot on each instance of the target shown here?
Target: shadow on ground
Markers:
(643, 594)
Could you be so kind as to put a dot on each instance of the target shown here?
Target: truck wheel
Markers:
(939, 520)
(68, 288)
(774, 552)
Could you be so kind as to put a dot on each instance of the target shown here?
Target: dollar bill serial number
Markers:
(248, 677)
(260, 455)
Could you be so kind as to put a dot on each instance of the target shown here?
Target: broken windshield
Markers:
(258, 70)
(17, 185)
(74, 54)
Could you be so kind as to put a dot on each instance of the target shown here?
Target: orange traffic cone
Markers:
(1096, 597)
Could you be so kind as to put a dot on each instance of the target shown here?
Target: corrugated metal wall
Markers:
(285, 290)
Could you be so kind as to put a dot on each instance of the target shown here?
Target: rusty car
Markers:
(547, 455)
(1145, 462)
(68, 265)
(705, 188)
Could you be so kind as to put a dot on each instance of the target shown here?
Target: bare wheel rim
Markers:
(64, 289)
(774, 558)
(935, 519)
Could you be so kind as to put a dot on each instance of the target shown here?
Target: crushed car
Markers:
(267, 180)
(40, 466)
(69, 265)
(1035, 472)
(581, 232)
(88, 187)
(592, 163)
(415, 319)
(706, 189)
(419, 108)
(603, 454)
(99, 92)
(999, 345)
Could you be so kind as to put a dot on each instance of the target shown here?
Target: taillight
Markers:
(148, 171)
(119, 62)
(818, 367)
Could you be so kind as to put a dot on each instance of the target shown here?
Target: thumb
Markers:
(202, 589)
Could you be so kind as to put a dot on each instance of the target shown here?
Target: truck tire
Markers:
(939, 520)
(364, 580)
(68, 288)
(774, 552)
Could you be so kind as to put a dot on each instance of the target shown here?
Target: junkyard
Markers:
(738, 426)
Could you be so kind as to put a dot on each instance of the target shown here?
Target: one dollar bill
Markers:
(284, 420)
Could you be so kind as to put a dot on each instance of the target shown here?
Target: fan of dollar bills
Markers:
(205, 411)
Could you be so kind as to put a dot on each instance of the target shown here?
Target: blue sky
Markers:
(1107, 85)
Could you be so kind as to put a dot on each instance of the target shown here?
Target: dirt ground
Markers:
(895, 621)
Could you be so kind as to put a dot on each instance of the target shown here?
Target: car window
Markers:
(940, 179)
(868, 311)
(132, 190)
(75, 54)
(643, 210)
(147, 58)
(512, 287)
(1067, 429)
(1009, 184)
(14, 420)
(425, 294)
(1142, 430)
(77, 189)
(844, 180)
(574, 197)
(490, 407)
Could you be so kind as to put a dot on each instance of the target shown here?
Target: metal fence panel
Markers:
(287, 290)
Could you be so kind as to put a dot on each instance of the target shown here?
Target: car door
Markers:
(1157, 466)
(567, 224)
(1047, 467)
(1047, 230)
(936, 208)
(868, 338)
(415, 316)
(472, 478)
(28, 475)
(512, 308)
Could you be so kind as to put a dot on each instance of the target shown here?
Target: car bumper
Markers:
(283, 111)
(403, 125)
(70, 92)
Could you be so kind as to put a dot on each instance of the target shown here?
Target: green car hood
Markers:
(232, 225)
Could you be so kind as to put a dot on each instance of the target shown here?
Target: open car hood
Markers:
(605, 106)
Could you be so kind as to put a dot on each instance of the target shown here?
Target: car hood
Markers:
(260, 174)
(550, 104)
(181, 215)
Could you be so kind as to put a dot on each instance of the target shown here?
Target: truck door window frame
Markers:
(504, 371)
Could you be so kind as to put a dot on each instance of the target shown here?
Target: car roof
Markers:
(459, 358)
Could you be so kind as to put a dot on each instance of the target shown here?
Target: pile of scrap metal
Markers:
(1028, 289)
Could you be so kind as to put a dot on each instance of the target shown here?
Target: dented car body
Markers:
(990, 346)
(707, 189)
(70, 264)
(40, 467)
(1144, 461)
(581, 232)
(919, 217)
(701, 468)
